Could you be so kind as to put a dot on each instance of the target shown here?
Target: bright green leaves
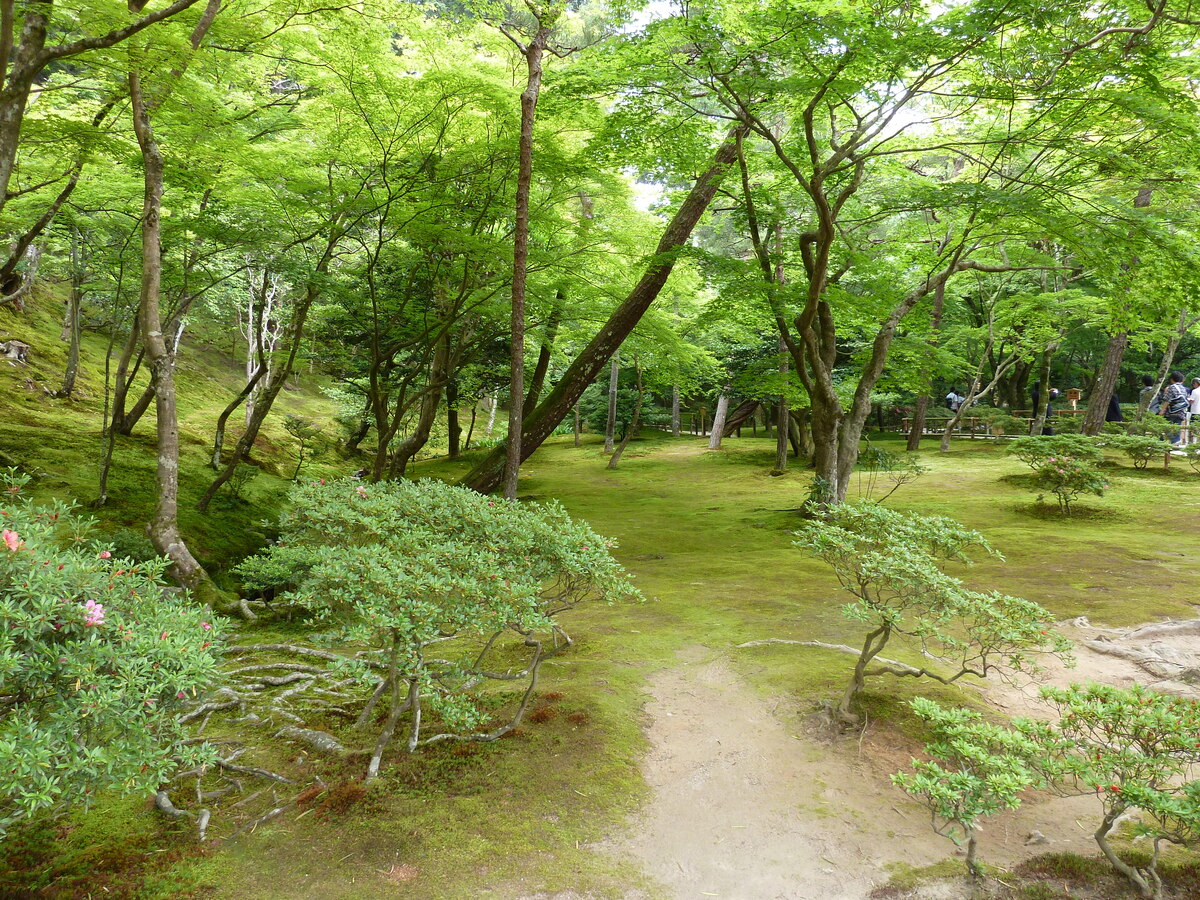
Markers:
(96, 657)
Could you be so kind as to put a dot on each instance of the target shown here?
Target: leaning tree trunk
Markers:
(412, 445)
(1110, 369)
(541, 422)
(718, 426)
(164, 527)
(610, 425)
(1106, 382)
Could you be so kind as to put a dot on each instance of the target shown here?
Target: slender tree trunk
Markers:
(516, 384)
(918, 419)
(1039, 415)
(577, 424)
(781, 415)
(164, 527)
(718, 426)
(634, 423)
(471, 426)
(675, 410)
(278, 377)
(223, 419)
(541, 423)
(71, 319)
(542, 367)
(610, 426)
(453, 429)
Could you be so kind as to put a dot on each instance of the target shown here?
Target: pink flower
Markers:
(104, 554)
(362, 491)
(180, 695)
(12, 540)
(94, 613)
(206, 626)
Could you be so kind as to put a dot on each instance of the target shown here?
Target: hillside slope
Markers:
(59, 441)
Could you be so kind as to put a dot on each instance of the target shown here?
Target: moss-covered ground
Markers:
(708, 538)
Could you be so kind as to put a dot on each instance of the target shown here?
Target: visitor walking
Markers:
(1175, 403)
(954, 400)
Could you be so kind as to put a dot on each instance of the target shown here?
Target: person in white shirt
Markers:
(1193, 410)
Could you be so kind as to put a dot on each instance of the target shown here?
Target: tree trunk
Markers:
(516, 385)
(164, 527)
(223, 420)
(1039, 415)
(412, 445)
(1110, 369)
(71, 319)
(453, 429)
(583, 371)
(495, 401)
(610, 426)
(634, 423)
(577, 424)
(718, 426)
(471, 426)
(278, 377)
(918, 420)
(1106, 381)
(542, 367)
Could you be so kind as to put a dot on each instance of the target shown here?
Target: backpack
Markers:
(1177, 405)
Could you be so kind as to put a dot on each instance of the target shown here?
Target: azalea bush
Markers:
(892, 565)
(1034, 450)
(976, 768)
(453, 590)
(1068, 477)
(96, 657)
(1136, 751)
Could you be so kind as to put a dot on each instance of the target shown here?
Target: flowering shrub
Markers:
(409, 566)
(1132, 749)
(96, 655)
(1067, 477)
(890, 563)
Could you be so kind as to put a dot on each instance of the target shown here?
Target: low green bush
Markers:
(1036, 449)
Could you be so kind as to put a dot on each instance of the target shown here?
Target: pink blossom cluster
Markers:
(94, 613)
(12, 540)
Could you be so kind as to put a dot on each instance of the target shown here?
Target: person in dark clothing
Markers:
(1114, 410)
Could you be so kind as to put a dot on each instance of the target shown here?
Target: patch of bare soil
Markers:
(747, 806)
(744, 807)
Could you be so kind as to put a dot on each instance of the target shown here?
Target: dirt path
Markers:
(743, 808)
(746, 808)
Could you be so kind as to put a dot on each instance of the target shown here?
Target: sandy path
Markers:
(743, 808)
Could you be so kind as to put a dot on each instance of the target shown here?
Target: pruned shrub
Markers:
(1036, 449)
(450, 589)
(1141, 449)
(891, 563)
